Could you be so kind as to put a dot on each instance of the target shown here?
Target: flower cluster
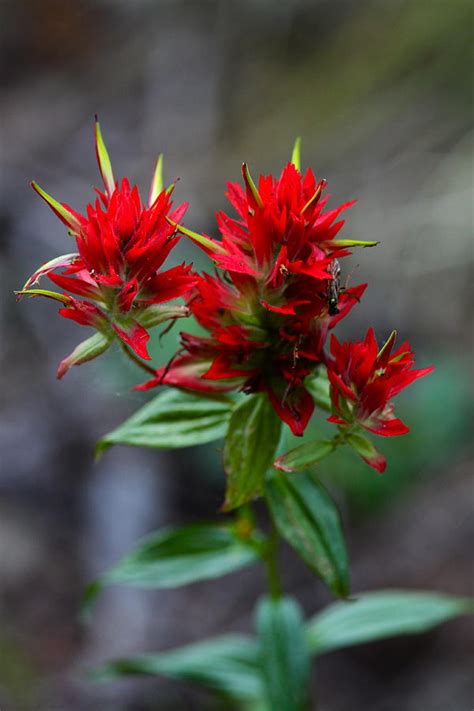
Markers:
(275, 296)
(121, 246)
(266, 313)
(364, 380)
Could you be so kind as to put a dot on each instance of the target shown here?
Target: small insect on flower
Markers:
(334, 287)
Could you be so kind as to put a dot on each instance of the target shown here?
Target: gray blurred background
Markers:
(381, 93)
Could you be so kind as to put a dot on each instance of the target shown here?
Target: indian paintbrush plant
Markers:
(267, 362)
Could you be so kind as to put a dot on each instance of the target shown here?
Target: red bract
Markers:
(364, 380)
(121, 245)
(267, 310)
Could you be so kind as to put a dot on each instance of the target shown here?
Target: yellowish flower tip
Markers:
(62, 212)
(157, 181)
(251, 185)
(196, 237)
(388, 344)
(296, 154)
(103, 160)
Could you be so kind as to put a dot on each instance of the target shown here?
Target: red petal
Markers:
(185, 372)
(296, 409)
(135, 336)
(377, 462)
(75, 285)
(388, 428)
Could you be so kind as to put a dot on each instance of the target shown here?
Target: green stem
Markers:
(273, 577)
(135, 359)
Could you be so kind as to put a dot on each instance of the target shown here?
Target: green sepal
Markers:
(87, 350)
(320, 389)
(304, 456)
(361, 444)
(157, 314)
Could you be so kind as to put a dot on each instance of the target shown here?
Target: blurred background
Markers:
(381, 93)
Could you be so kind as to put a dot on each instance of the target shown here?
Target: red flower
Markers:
(364, 380)
(267, 310)
(121, 245)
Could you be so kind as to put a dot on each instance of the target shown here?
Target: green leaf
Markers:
(307, 518)
(178, 556)
(172, 420)
(304, 456)
(283, 653)
(376, 615)
(227, 664)
(249, 450)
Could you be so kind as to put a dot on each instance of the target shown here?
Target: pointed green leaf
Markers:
(178, 556)
(103, 160)
(283, 654)
(304, 456)
(380, 614)
(226, 664)
(171, 420)
(157, 181)
(296, 154)
(157, 314)
(60, 210)
(250, 446)
(307, 518)
(362, 445)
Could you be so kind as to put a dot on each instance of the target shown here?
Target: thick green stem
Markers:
(135, 359)
(273, 578)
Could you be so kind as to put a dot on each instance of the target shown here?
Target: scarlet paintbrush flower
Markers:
(364, 380)
(121, 245)
(267, 310)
